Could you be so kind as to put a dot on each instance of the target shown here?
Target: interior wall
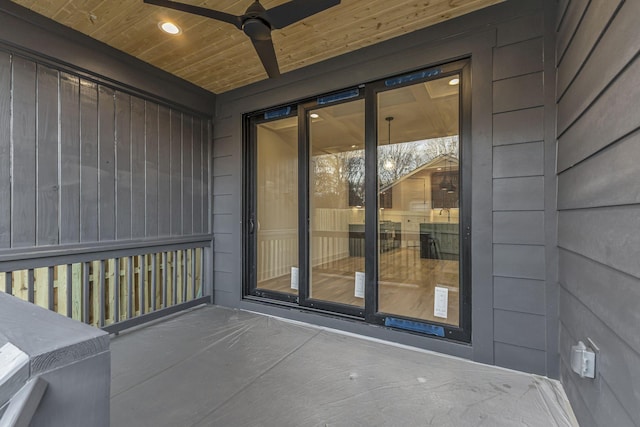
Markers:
(514, 319)
(599, 205)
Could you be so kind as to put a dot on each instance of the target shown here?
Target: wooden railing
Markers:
(114, 286)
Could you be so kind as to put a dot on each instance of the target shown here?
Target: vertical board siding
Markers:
(187, 174)
(176, 173)
(83, 162)
(107, 171)
(88, 161)
(123, 160)
(69, 158)
(23, 191)
(164, 171)
(5, 150)
(206, 162)
(598, 201)
(47, 143)
(138, 213)
(197, 176)
(151, 169)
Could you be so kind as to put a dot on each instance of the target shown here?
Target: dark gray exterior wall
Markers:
(94, 145)
(514, 260)
(599, 204)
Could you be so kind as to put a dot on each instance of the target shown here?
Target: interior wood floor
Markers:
(406, 284)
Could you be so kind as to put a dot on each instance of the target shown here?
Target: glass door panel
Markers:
(336, 203)
(418, 218)
(276, 208)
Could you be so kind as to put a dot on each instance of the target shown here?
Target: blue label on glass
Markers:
(280, 112)
(411, 325)
(411, 77)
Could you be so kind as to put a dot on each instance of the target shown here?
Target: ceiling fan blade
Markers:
(296, 10)
(196, 10)
(267, 55)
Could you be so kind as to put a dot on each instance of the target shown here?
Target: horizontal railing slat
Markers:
(21, 259)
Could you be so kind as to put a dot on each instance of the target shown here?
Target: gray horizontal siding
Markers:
(520, 358)
(588, 279)
(86, 163)
(602, 65)
(572, 17)
(517, 93)
(616, 365)
(518, 59)
(518, 227)
(520, 329)
(518, 194)
(601, 124)
(224, 243)
(600, 408)
(609, 178)
(521, 295)
(518, 126)
(606, 235)
(518, 160)
(225, 221)
(223, 166)
(521, 28)
(599, 202)
(518, 167)
(593, 24)
(520, 261)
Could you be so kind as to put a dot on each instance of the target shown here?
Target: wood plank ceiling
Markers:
(219, 57)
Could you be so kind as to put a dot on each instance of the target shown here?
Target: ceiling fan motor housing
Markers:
(255, 25)
(257, 29)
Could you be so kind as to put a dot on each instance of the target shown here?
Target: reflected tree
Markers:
(339, 177)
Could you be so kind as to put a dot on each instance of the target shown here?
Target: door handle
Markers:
(252, 226)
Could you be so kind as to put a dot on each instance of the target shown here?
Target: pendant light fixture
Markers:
(452, 187)
(389, 164)
(444, 185)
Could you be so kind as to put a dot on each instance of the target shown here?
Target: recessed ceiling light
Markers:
(169, 28)
(314, 115)
(354, 146)
(454, 81)
(439, 169)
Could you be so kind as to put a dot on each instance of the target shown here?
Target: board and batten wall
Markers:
(82, 162)
(598, 104)
(514, 282)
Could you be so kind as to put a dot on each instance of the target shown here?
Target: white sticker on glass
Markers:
(441, 302)
(359, 291)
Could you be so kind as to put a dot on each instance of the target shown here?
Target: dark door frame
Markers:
(368, 92)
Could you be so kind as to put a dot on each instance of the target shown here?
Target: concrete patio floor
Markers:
(213, 366)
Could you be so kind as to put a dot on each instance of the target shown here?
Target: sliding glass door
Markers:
(273, 219)
(336, 212)
(418, 150)
(357, 203)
